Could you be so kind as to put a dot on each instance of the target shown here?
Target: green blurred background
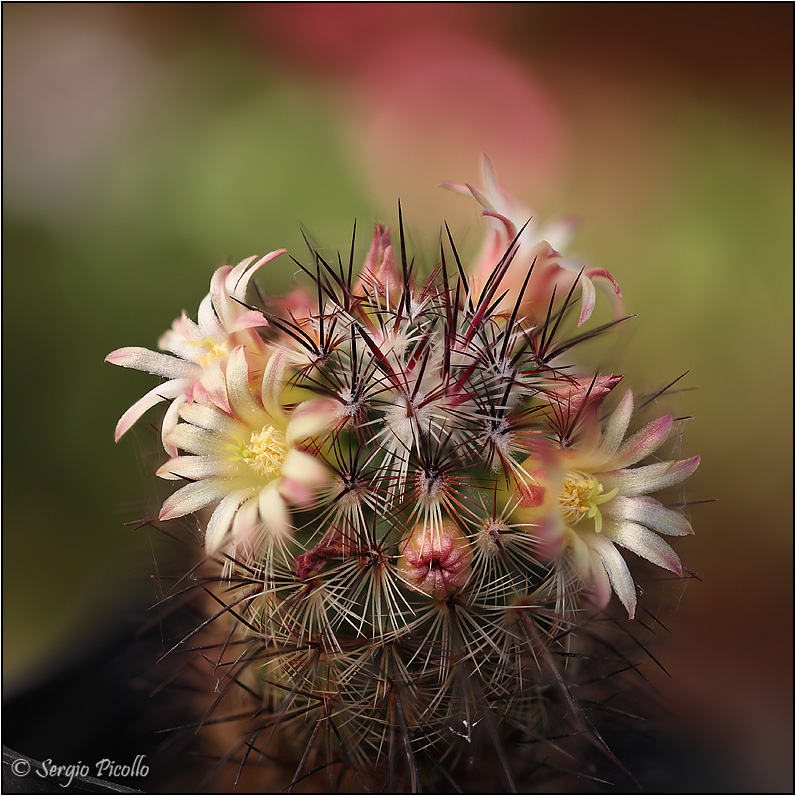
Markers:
(145, 144)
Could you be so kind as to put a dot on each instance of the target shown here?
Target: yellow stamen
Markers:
(213, 349)
(580, 497)
(266, 451)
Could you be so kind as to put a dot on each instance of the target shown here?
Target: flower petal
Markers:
(163, 392)
(198, 441)
(273, 382)
(221, 520)
(644, 543)
(209, 325)
(618, 573)
(302, 476)
(642, 443)
(651, 478)
(208, 418)
(240, 395)
(648, 511)
(153, 362)
(193, 467)
(238, 281)
(193, 497)
(273, 511)
(616, 428)
(170, 420)
(214, 385)
(588, 297)
(310, 419)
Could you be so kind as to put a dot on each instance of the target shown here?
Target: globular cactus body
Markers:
(416, 500)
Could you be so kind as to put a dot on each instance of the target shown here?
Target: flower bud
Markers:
(435, 560)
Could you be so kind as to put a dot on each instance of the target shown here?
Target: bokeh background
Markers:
(145, 144)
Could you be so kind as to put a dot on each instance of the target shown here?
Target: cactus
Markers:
(412, 497)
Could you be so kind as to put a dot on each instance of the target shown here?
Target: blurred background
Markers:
(145, 144)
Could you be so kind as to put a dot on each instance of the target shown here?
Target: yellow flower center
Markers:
(581, 496)
(265, 452)
(211, 351)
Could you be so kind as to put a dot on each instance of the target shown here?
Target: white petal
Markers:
(648, 511)
(208, 417)
(644, 543)
(651, 478)
(154, 362)
(170, 420)
(221, 519)
(194, 467)
(618, 573)
(193, 497)
(273, 381)
(241, 399)
(208, 322)
(197, 440)
(246, 525)
(273, 511)
(588, 298)
(616, 428)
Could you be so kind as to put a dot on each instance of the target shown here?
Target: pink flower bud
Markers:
(380, 272)
(435, 560)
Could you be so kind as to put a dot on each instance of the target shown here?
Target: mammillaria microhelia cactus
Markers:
(414, 498)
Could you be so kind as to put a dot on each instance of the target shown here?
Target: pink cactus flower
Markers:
(603, 502)
(194, 367)
(541, 244)
(250, 460)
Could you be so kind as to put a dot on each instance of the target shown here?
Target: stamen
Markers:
(266, 451)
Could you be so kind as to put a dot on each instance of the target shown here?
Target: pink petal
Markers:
(605, 281)
(302, 476)
(642, 443)
(310, 419)
(163, 392)
(214, 385)
(237, 284)
(170, 421)
(248, 319)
